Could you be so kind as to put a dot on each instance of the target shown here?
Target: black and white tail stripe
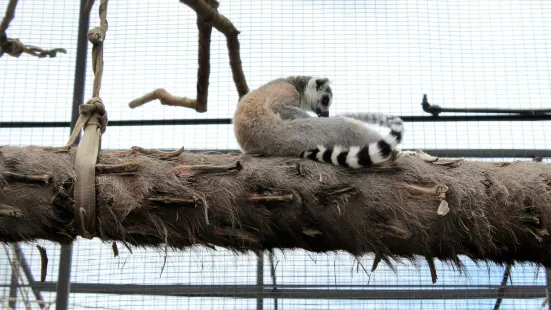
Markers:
(357, 156)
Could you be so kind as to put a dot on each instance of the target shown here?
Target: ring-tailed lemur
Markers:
(273, 120)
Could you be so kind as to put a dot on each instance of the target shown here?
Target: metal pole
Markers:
(66, 254)
(548, 290)
(28, 274)
(260, 279)
(64, 277)
(326, 292)
(14, 284)
(228, 121)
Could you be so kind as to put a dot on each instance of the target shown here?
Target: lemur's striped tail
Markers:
(362, 156)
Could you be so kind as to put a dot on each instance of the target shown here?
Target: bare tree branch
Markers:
(207, 17)
(203, 72)
(14, 47)
(225, 26)
(166, 99)
(8, 17)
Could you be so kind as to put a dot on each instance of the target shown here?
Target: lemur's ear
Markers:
(321, 82)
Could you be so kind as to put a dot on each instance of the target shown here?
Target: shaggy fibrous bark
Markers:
(495, 212)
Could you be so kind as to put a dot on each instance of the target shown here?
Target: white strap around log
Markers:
(93, 121)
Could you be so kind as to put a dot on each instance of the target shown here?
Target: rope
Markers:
(96, 36)
(93, 121)
(92, 108)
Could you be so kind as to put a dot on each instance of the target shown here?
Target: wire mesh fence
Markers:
(381, 56)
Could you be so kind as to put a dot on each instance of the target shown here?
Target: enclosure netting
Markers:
(381, 56)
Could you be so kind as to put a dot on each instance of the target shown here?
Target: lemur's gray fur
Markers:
(273, 120)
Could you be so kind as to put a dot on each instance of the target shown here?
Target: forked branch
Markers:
(225, 26)
(207, 17)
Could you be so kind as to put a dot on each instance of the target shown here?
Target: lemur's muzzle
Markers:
(321, 113)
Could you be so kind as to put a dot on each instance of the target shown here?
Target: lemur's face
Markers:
(320, 96)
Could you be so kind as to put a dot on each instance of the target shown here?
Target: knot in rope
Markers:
(95, 107)
(12, 47)
(96, 35)
(91, 113)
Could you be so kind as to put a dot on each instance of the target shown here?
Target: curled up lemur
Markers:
(273, 120)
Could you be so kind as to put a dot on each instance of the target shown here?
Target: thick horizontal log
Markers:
(495, 212)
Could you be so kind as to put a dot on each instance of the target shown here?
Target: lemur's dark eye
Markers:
(325, 100)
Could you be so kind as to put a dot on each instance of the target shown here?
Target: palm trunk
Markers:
(498, 212)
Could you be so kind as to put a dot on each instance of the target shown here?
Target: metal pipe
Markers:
(435, 110)
(14, 282)
(489, 153)
(63, 284)
(228, 121)
(260, 279)
(66, 253)
(548, 287)
(251, 291)
(28, 274)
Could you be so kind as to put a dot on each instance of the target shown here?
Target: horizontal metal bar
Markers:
(436, 109)
(349, 286)
(489, 153)
(151, 122)
(228, 121)
(252, 291)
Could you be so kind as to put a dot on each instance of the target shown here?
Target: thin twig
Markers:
(10, 211)
(156, 153)
(269, 198)
(341, 189)
(176, 202)
(225, 26)
(190, 170)
(40, 179)
(166, 99)
(56, 149)
(124, 168)
(426, 157)
(438, 190)
(450, 163)
(311, 232)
